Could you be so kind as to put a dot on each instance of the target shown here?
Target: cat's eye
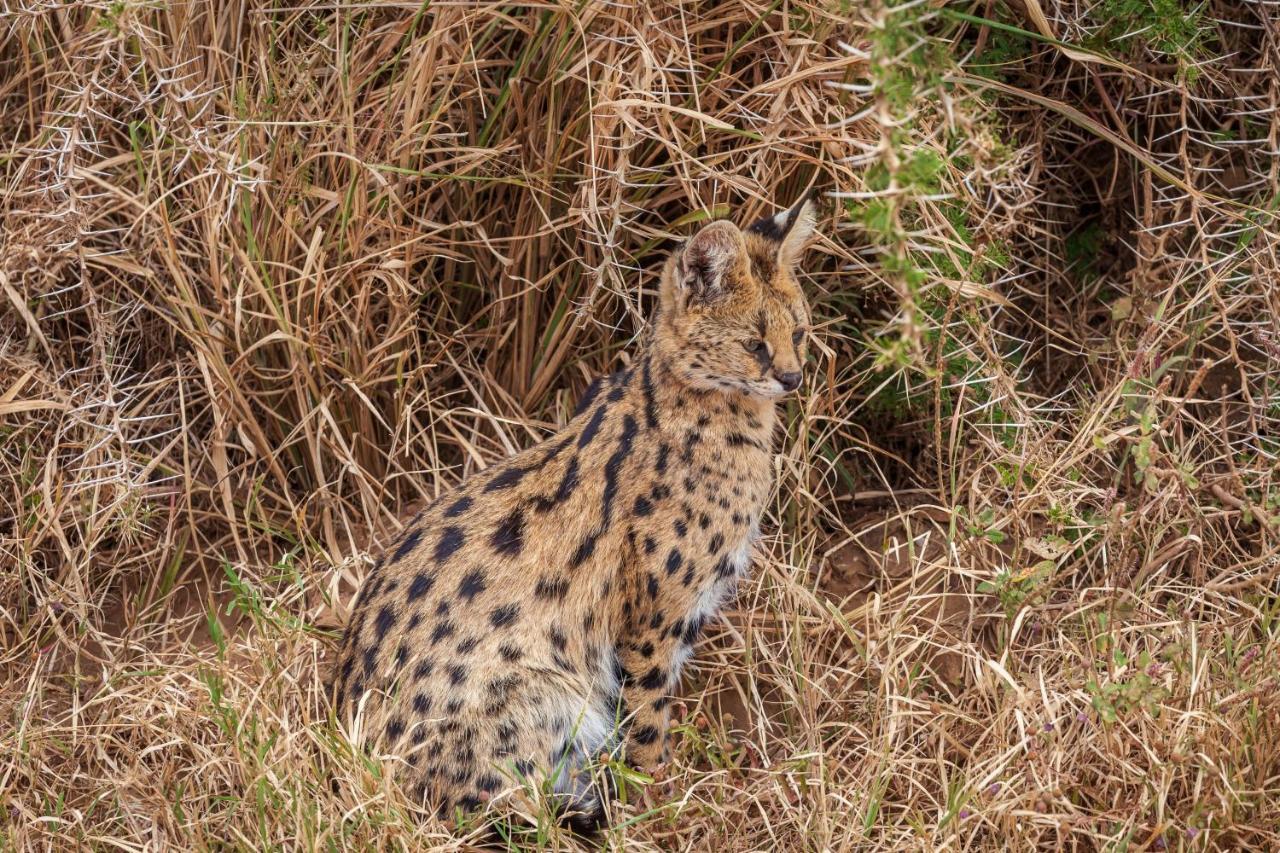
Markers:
(797, 336)
(754, 345)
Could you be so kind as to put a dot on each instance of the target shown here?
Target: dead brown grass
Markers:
(273, 275)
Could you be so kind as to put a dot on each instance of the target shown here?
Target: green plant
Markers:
(1015, 590)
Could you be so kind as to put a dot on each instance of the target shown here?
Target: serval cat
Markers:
(538, 615)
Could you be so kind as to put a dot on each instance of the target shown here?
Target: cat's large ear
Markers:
(790, 229)
(705, 268)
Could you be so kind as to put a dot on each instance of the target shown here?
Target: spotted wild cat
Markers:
(539, 613)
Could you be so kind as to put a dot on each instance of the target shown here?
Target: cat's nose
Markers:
(789, 381)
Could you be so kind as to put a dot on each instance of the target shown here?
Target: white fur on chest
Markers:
(715, 594)
(592, 721)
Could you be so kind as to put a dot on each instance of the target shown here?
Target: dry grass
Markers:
(273, 275)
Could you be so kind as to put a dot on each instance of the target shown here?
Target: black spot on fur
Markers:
(653, 586)
(450, 541)
(682, 529)
(650, 406)
(406, 545)
(664, 451)
(592, 427)
(508, 539)
(586, 823)
(457, 674)
(441, 632)
(584, 551)
(395, 728)
(654, 679)
(644, 735)
(502, 617)
(558, 639)
(614, 466)
(510, 654)
(458, 507)
(386, 619)
(468, 645)
(620, 673)
(423, 669)
(421, 586)
(369, 590)
(725, 568)
(717, 542)
(692, 630)
(472, 584)
(737, 439)
(650, 545)
(691, 439)
(673, 561)
(422, 705)
(589, 396)
(643, 506)
(506, 478)
(550, 589)
(568, 483)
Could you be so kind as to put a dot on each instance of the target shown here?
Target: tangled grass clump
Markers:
(272, 276)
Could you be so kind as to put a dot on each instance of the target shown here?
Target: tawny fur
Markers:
(539, 614)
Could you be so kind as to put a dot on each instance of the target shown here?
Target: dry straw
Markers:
(271, 275)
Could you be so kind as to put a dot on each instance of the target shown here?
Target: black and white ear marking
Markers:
(792, 228)
(773, 227)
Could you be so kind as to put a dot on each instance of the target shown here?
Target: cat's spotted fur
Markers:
(539, 613)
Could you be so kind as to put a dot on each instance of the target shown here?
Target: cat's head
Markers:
(732, 316)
